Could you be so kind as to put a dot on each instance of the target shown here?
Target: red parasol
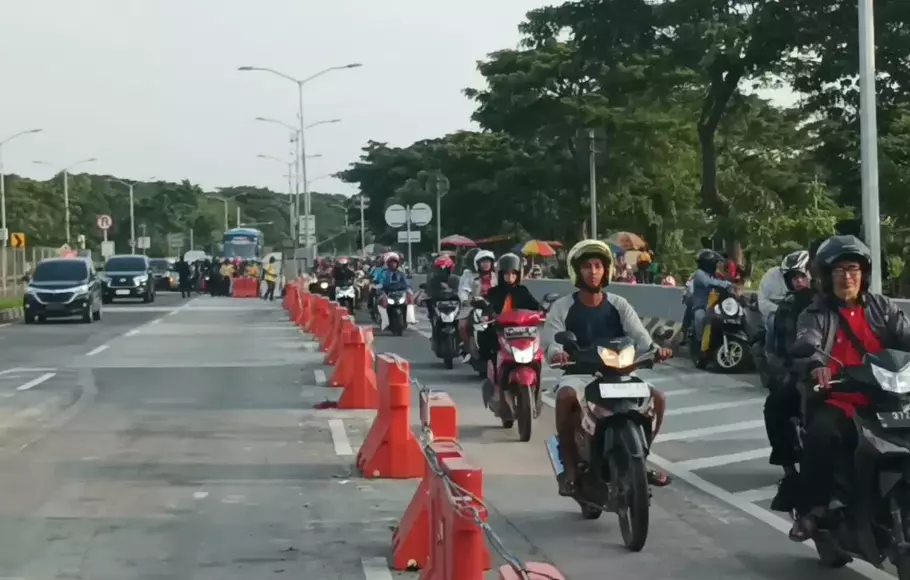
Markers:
(458, 242)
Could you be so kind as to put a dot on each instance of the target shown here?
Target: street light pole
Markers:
(869, 139)
(5, 239)
(303, 170)
(363, 230)
(130, 185)
(66, 191)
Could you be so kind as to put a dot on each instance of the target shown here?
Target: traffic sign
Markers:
(4, 234)
(403, 236)
(17, 240)
(396, 215)
(104, 221)
(145, 242)
(175, 241)
(107, 249)
(420, 214)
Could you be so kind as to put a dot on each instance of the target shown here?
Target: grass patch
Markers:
(6, 303)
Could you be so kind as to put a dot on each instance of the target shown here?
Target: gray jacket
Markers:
(817, 327)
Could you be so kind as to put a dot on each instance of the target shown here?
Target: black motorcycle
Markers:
(322, 287)
(869, 515)
(346, 296)
(613, 435)
(395, 303)
(444, 340)
(729, 345)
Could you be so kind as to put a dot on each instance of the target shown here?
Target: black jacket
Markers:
(343, 275)
(521, 298)
(440, 283)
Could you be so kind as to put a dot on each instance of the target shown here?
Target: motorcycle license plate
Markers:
(895, 420)
(624, 390)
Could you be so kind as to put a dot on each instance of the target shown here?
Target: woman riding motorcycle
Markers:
(473, 286)
(592, 315)
(440, 281)
(703, 283)
(843, 323)
(507, 295)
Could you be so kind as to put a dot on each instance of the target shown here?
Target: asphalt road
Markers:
(178, 441)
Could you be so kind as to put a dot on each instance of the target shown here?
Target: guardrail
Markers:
(649, 300)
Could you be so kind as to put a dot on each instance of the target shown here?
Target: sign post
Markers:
(104, 222)
(397, 215)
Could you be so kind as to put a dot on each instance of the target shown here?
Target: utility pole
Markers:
(592, 171)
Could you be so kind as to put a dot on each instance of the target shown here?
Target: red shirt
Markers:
(844, 351)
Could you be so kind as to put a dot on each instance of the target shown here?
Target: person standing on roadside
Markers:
(185, 276)
(271, 279)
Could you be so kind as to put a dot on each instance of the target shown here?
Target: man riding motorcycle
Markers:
(343, 273)
(440, 280)
(773, 286)
(391, 279)
(592, 315)
(783, 402)
(474, 285)
(843, 323)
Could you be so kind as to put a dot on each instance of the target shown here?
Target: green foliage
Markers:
(36, 208)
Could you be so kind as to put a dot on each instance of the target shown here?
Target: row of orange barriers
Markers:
(442, 531)
(245, 288)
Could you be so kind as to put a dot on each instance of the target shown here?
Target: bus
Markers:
(243, 243)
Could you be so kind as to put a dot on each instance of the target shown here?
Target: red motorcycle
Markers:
(515, 374)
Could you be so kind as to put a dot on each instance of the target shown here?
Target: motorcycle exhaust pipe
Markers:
(552, 445)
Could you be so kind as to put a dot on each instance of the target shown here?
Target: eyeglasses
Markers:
(851, 270)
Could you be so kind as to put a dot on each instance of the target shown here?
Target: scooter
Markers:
(321, 287)
(346, 296)
(444, 338)
(613, 436)
(396, 311)
(512, 388)
(724, 340)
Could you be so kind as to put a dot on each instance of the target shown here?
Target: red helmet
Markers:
(342, 261)
(444, 262)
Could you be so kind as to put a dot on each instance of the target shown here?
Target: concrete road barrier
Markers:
(649, 300)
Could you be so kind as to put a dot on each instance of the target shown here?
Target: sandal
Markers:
(567, 487)
(658, 478)
(804, 528)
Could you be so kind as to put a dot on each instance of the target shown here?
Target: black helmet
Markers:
(707, 260)
(507, 263)
(837, 249)
(794, 263)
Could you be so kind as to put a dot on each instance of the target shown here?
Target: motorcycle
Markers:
(346, 296)
(322, 287)
(614, 433)
(724, 340)
(869, 514)
(444, 338)
(395, 311)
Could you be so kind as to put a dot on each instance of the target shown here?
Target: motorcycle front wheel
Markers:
(396, 323)
(448, 352)
(732, 358)
(634, 517)
(524, 409)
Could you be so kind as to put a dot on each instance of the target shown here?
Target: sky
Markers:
(150, 88)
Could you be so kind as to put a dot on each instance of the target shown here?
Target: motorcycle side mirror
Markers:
(566, 339)
(423, 286)
(550, 297)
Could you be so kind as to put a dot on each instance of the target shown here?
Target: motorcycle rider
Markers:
(441, 280)
(343, 273)
(474, 285)
(703, 283)
(592, 315)
(773, 286)
(783, 401)
(391, 279)
(844, 322)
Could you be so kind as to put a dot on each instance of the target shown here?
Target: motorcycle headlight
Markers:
(898, 382)
(323, 285)
(140, 279)
(524, 355)
(730, 307)
(616, 359)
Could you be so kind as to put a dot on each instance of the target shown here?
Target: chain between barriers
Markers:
(463, 501)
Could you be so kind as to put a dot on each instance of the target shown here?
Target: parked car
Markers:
(164, 273)
(128, 276)
(63, 287)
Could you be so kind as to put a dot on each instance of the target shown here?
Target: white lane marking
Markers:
(200, 494)
(133, 332)
(425, 334)
(718, 460)
(715, 430)
(340, 438)
(156, 321)
(5, 324)
(101, 348)
(173, 312)
(714, 406)
(761, 514)
(319, 375)
(679, 392)
(758, 494)
(376, 569)
(36, 382)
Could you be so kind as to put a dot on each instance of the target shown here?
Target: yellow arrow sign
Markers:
(17, 240)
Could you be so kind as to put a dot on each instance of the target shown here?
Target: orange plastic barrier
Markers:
(320, 324)
(309, 311)
(458, 550)
(246, 288)
(357, 374)
(336, 346)
(411, 540)
(533, 571)
(390, 449)
(304, 314)
(336, 327)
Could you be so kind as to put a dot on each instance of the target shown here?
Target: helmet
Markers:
(707, 260)
(838, 248)
(392, 257)
(509, 263)
(589, 249)
(483, 255)
(794, 263)
(342, 261)
(444, 262)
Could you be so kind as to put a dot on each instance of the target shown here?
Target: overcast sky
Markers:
(151, 87)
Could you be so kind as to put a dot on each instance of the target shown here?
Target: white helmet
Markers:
(589, 249)
(483, 255)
